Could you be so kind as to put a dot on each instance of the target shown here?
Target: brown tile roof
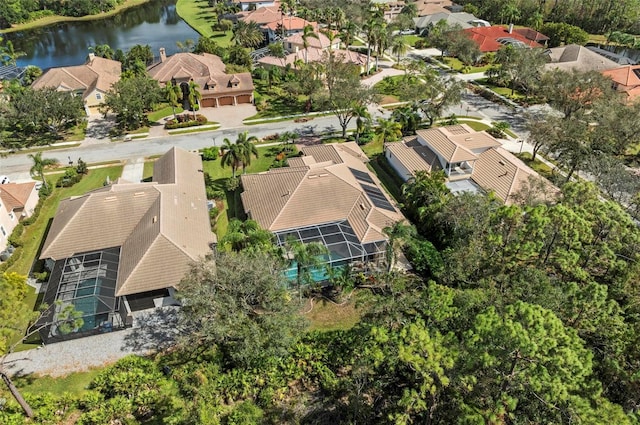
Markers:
(14, 196)
(97, 73)
(208, 71)
(324, 190)
(499, 171)
(578, 57)
(160, 226)
(430, 7)
(439, 139)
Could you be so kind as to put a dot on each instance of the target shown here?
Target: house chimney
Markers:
(510, 28)
(163, 55)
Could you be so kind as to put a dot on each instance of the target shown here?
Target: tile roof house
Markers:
(424, 23)
(471, 161)
(626, 79)
(327, 195)
(17, 201)
(579, 58)
(430, 7)
(491, 39)
(216, 87)
(91, 81)
(125, 247)
(246, 5)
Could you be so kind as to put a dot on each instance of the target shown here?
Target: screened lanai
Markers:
(86, 281)
(342, 243)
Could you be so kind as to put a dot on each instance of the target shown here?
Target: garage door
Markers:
(245, 98)
(208, 103)
(225, 101)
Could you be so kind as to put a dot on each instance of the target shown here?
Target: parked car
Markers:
(407, 31)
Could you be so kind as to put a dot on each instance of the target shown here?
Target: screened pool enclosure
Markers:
(343, 245)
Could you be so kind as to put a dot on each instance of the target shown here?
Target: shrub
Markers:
(70, 178)
(213, 213)
(185, 120)
(420, 43)
(210, 154)
(232, 184)
(81, 168)
(15, 238)
(211, 192)
(44, 191)
(41, 277)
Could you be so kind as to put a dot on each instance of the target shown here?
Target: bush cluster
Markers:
(185, 120)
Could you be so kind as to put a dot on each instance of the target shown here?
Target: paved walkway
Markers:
(133, 170)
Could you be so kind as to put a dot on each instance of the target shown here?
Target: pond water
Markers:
(155, 23)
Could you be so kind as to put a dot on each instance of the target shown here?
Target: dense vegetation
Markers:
(19, 11)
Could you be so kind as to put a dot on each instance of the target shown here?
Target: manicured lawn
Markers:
(74, 383)
(476, 125)
(373, 148)
(163, 111)
(201, 17)
(49, 20)
(537, 165)
(389, 179)
(76, 134)
(411, 39)
(147, 171)
(457, 65)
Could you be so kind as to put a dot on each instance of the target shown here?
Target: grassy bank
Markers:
(199, 16)
(54, 19)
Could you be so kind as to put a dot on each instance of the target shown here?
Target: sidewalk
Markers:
(133, 170)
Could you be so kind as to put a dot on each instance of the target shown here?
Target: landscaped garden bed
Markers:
(185, 120)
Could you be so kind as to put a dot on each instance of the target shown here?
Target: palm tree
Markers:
(247, 34)
(232, 155)
(8, 55)
(103, 51)
(194, 96)
(307, 33)
(248, 149)
(307, 257)
(388, 131)
(39, 164)
(331, 35)
(398, 235)
(173, 94)
(399, 46)
(361, 113)
(348, 33)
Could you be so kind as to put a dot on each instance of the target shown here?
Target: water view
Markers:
(155, 23)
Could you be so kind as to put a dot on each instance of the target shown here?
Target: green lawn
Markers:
(476, 125)
(201, 17)
(537, 165)
(373, 148)
(411, 39)
(163, 111)
(327, 316)
(457, 65)
(74, 383)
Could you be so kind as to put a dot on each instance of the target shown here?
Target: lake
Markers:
(155, 23)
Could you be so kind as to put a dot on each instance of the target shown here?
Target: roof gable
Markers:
(14, 196)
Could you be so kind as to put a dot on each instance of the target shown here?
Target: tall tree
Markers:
(130, 99)
(247, 34)
(399, 47)
(388, 131)
(194, 97)
(237, 301)
(232, 155)
(248, 148)
(307, 33)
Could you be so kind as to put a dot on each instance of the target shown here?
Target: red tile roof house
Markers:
(491, 39)
(17, 201)
(626, 79)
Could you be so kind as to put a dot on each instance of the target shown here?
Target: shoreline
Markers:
(56, 19)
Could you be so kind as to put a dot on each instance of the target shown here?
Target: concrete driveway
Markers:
(229, 116)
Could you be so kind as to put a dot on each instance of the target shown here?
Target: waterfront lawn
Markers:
(201, 17)
(54, 19)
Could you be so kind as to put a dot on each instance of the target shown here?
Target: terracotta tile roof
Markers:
(314, 55)
(291, 23)
(322, 42)
(579, 58)
(499, 171)
(97, 73)
(627, 79)
(430, 7)
(323, 191)
(531, 34)
(14, 196)
(163, 225)
(487, 38)
(262, 15)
